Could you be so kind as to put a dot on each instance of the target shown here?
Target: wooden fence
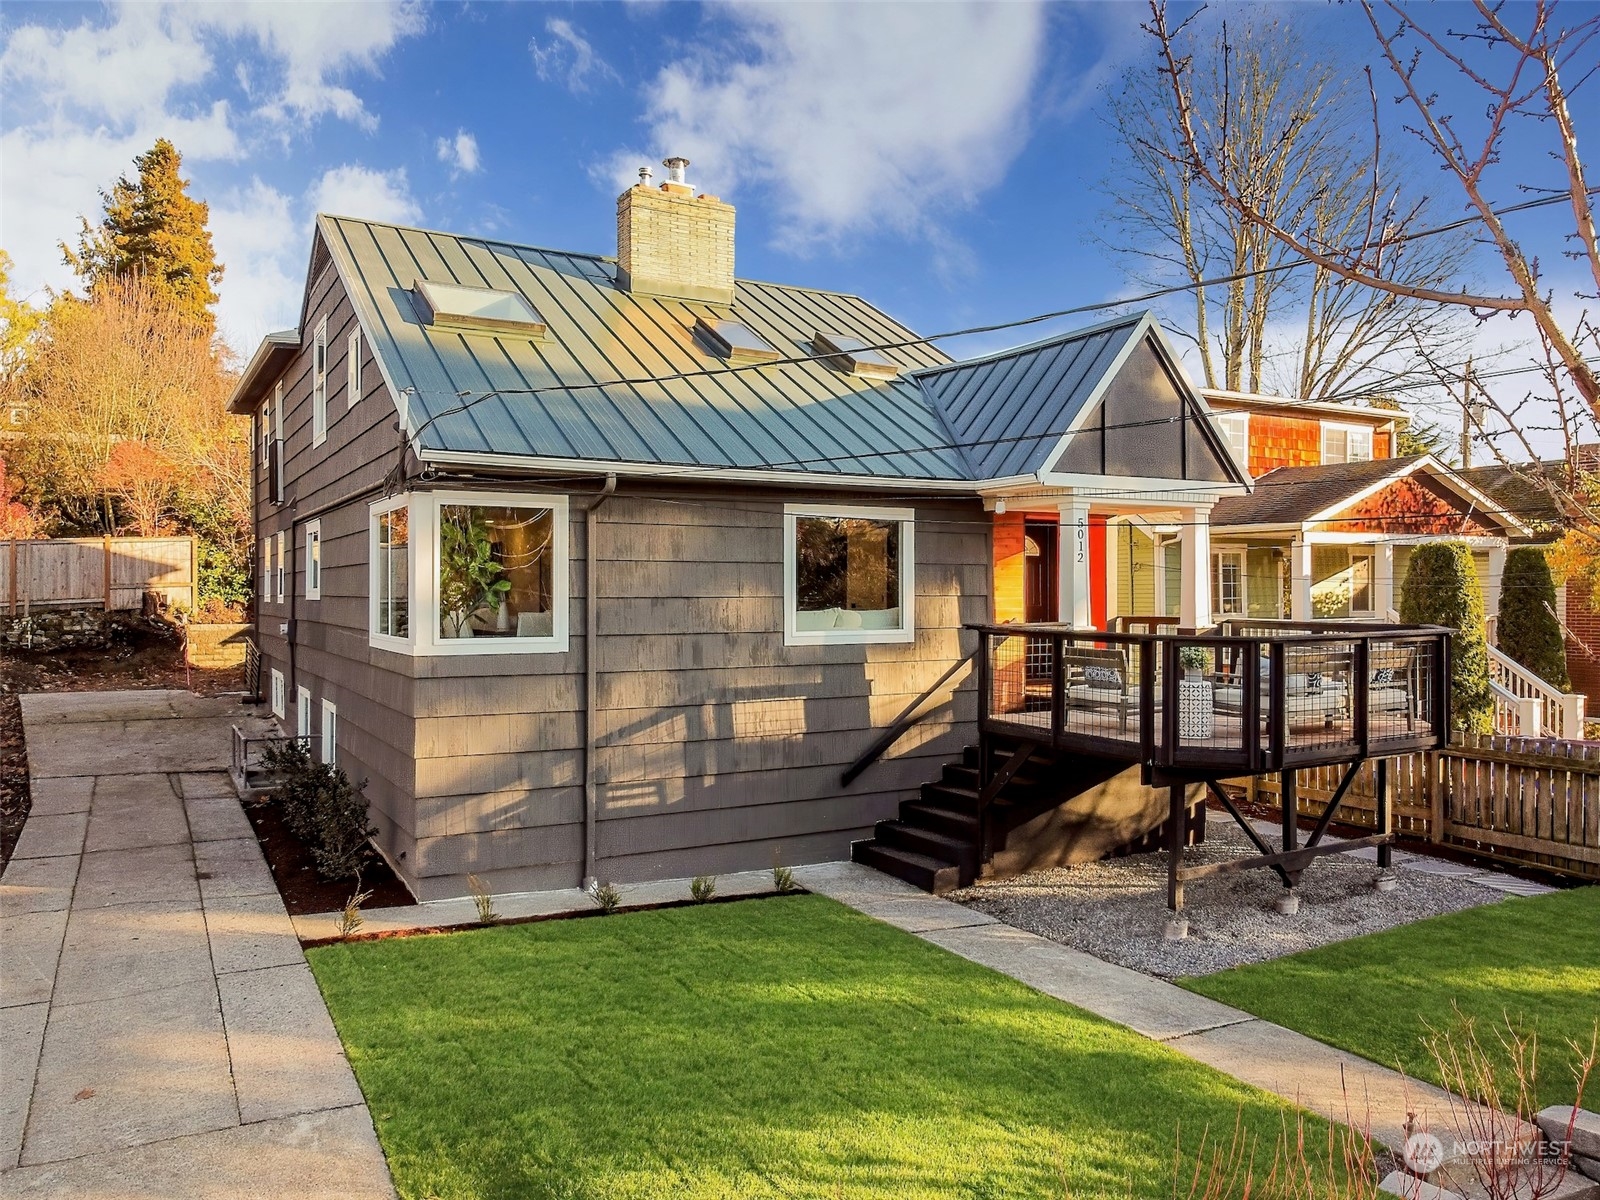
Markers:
(109, 573)
(1526, 800)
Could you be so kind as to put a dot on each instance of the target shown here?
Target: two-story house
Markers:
(1329, 525)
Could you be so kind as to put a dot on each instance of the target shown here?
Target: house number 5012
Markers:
(1083, 539)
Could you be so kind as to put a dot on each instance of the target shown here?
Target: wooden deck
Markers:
(1183, 705)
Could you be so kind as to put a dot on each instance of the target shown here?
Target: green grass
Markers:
(785, 1047)
(1535, 961)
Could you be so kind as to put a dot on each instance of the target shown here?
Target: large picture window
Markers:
(496, 571)
(391, 571)
(848, 575)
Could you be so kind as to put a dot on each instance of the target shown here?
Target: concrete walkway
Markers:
(160, 1032)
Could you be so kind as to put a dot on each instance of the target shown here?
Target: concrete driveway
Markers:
(160, 1032)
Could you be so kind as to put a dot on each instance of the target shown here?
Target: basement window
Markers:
(475, 309)
(852, 355)
(733, 340)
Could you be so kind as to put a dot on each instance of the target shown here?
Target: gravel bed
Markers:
(1116, 909)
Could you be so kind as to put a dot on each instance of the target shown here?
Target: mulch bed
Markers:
(143, 654)
(302, 889)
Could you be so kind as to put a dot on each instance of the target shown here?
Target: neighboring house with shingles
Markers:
(1328, 529)
(606, 567)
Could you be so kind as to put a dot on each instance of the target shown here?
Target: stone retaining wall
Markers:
(60, 629)
(215, 647)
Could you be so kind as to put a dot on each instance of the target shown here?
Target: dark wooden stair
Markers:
(934, 842)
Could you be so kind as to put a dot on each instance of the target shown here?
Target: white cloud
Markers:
(856, 117)
(460, 153)
(264, 249)
(82, 99)
(356, 191)
(568, 58)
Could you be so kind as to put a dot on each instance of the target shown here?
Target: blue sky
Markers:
(944, 161)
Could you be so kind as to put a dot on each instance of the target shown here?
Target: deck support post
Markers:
(1291, 806)
(1176, 811)
(1385, 818)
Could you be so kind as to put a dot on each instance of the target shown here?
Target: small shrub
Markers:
(702, 888)
(1441, 588)
(483, 900)
(783, 878)
(605, 895)
(297, 773)
(341, 826)
(350, 920)
(1528, 629)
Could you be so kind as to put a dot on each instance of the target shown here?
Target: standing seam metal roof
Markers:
(669, 402)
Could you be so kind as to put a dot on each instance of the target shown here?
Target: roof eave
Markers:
(265, 365)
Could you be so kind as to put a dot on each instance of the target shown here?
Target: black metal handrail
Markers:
(1089, 706)
(909, 716)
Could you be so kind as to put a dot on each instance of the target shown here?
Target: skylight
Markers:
(457, 306)
(733, 340)
(852, 355)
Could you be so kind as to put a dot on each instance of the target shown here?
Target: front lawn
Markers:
(783, 1047)
(1535, 960)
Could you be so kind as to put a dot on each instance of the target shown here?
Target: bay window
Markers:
(390, 576)
(848, 575)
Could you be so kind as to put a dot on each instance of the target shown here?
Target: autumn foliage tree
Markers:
(144, 479)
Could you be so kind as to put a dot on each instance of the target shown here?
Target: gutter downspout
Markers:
(591, 633)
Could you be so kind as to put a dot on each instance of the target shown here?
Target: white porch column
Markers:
(1194, 609)
(1383, 581)
(1300, 579)
(1115, 532)
(1073, 554)
(1491, 585)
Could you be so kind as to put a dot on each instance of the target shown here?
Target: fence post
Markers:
(194, 573)
(106, 570)
(1432, 765)
(12, 567)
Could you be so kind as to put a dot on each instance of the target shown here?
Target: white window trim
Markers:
(302, 714)
(1216, 583)
(908, 583)
(319, 384)
(1348, 429)
(266, 569)
(276, 484)
(352, 367)
(1226, 423)
(387, 641)
(265, 425)
(280, 695)
(330, 732)
(280, 568)
(1372, 582)
(314, 560)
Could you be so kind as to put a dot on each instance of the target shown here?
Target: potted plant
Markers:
(1193, 660)
(470, 580)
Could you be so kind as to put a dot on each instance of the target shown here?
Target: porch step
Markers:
(947, 821)
(919, 870)
(903, 836)
(964, 777)
(945, 795)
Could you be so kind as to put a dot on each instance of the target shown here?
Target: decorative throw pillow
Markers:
(1383, 675)
(1313, 681)
(1102, 677)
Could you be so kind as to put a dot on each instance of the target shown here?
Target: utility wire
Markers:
(471, 398)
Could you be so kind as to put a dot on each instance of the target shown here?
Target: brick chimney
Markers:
(671, 242)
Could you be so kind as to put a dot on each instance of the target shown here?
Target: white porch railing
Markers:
(1526, 705)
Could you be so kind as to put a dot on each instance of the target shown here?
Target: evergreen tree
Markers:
(1441, 588)
(1529, 630)
(154, 229)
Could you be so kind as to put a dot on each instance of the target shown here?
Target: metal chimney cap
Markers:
(644, 175)
(675, 166)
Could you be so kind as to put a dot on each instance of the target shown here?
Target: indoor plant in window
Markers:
(470, 580)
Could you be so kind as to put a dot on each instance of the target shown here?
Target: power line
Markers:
(471, 398)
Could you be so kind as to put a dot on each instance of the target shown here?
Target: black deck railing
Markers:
(1243, 698)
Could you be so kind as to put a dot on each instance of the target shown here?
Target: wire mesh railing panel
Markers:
(1319, 696)
(1402, 689)
(1100, 689)
(1214, 700)
(1015, 696)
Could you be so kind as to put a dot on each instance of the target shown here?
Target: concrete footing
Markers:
(1288, 903)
